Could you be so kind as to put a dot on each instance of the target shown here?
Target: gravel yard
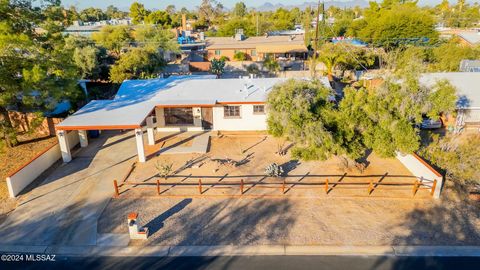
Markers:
(300, 217)
(332, 221)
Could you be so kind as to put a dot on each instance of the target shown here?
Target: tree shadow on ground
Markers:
(227, 222)
(446, 223)
(203, 222)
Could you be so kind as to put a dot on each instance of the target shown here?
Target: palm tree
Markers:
(331, 57)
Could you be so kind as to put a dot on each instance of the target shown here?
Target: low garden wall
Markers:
(25, 174)
(421, 169)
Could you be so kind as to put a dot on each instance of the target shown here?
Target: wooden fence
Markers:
(246, 186)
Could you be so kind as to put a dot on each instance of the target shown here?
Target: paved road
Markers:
(64, 209)
(256, 262)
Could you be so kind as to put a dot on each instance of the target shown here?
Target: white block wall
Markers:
(422, 170)
(30, 171)
(247, 120)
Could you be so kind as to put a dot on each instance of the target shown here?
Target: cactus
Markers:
(274, 170)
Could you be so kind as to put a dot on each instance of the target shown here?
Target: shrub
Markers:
(274, 170)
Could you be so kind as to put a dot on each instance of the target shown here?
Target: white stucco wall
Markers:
(247, 121)
(30, 171)
(422, 171)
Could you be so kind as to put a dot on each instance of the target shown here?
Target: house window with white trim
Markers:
(231, 111)
(218, 52)
(258, 109)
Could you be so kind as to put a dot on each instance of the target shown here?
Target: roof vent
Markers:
(239, 35)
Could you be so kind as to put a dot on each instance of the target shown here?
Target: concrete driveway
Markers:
(65, 207)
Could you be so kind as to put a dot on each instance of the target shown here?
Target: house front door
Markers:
(207, 118)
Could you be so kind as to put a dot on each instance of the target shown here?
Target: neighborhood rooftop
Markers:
(466, 84)
(263, 44)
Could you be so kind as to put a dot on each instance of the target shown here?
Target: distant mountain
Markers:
(352, 3)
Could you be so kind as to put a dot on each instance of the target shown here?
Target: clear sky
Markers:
(159, 4)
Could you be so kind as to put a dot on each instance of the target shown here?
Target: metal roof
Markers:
(466, 83)
(136, 99)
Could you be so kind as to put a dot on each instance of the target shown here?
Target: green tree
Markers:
(92, 15)
(138, 63)
(113, 38)
(396, 23)
(331, 56)
(240, 56)
(384, 117)
(271, 64)
(155, 37)
(138, 13)
(86, 59)
(35, 70)
(217, 67)
(457, 155)
(302, 111)
(447, 57)
(159, 17)
(239, 10)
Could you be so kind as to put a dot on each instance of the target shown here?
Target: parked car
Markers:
(431, 124)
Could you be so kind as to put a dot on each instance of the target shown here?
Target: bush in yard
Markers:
(274, 170)
(217, 67)
(240, 56)
(164, 169)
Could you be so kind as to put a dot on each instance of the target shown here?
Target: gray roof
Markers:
(466, 83)
(470, 65)
(136, 99)
(470, 37)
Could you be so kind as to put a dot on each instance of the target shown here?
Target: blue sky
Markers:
(124, 4)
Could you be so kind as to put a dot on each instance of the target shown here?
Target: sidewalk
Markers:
(278, 250)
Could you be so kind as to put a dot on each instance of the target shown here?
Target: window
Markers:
(258, 109)
(218, 52)
(178, 116)
(253, 52)
(231, 111)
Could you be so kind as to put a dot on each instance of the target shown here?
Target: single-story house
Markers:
(468, 91)
(177, 103)
(469, 65)
(257, 48)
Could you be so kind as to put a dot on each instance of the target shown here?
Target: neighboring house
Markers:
(469, 38)
(470, 66)
(257, 48)
(79, 28)
(181, 103)
(468, 91)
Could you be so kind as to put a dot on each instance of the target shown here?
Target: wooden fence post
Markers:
(158, 186)
(415, 188)
(115, 185)
(200, 186)
(434, 185)
(326, 186)
(241, 186)
(283, 187)
(370, 187)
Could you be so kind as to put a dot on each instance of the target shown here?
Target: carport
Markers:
(123, 114)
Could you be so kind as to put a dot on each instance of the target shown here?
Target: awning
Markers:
(291, 48)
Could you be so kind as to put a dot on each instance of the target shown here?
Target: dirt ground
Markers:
(252, 154)
(312, 219)
(12, 158)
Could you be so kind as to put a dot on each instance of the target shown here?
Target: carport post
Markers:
(150, 134)
(82, 135)
(140, 149)
(64, 146)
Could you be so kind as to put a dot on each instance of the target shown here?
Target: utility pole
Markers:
(257, 23)
(315, 45)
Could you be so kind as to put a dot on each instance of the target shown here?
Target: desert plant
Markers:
(217, 67)
(274, 170)
(164, 169)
